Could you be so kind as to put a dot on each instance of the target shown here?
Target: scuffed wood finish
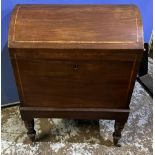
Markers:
(76, 26)
(75, 61)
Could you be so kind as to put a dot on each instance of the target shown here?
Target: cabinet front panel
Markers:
(76, 83)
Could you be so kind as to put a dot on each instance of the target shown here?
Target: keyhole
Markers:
(76, 67)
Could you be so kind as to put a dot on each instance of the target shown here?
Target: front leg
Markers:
(118, 127)
(29, 124)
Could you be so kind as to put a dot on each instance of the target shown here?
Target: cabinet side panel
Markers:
(12, 53)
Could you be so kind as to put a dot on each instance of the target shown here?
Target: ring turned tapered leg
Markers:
(29, 124)
(118, 127)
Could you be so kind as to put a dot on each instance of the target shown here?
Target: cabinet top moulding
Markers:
(76, 26)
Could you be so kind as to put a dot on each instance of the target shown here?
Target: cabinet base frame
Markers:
(119, 115)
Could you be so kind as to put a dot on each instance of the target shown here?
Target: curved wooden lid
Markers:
(76, 26)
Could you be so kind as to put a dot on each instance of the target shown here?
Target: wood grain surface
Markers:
(76, 26)
(75, 78)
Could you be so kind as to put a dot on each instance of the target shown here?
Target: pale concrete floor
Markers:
(71, 137)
